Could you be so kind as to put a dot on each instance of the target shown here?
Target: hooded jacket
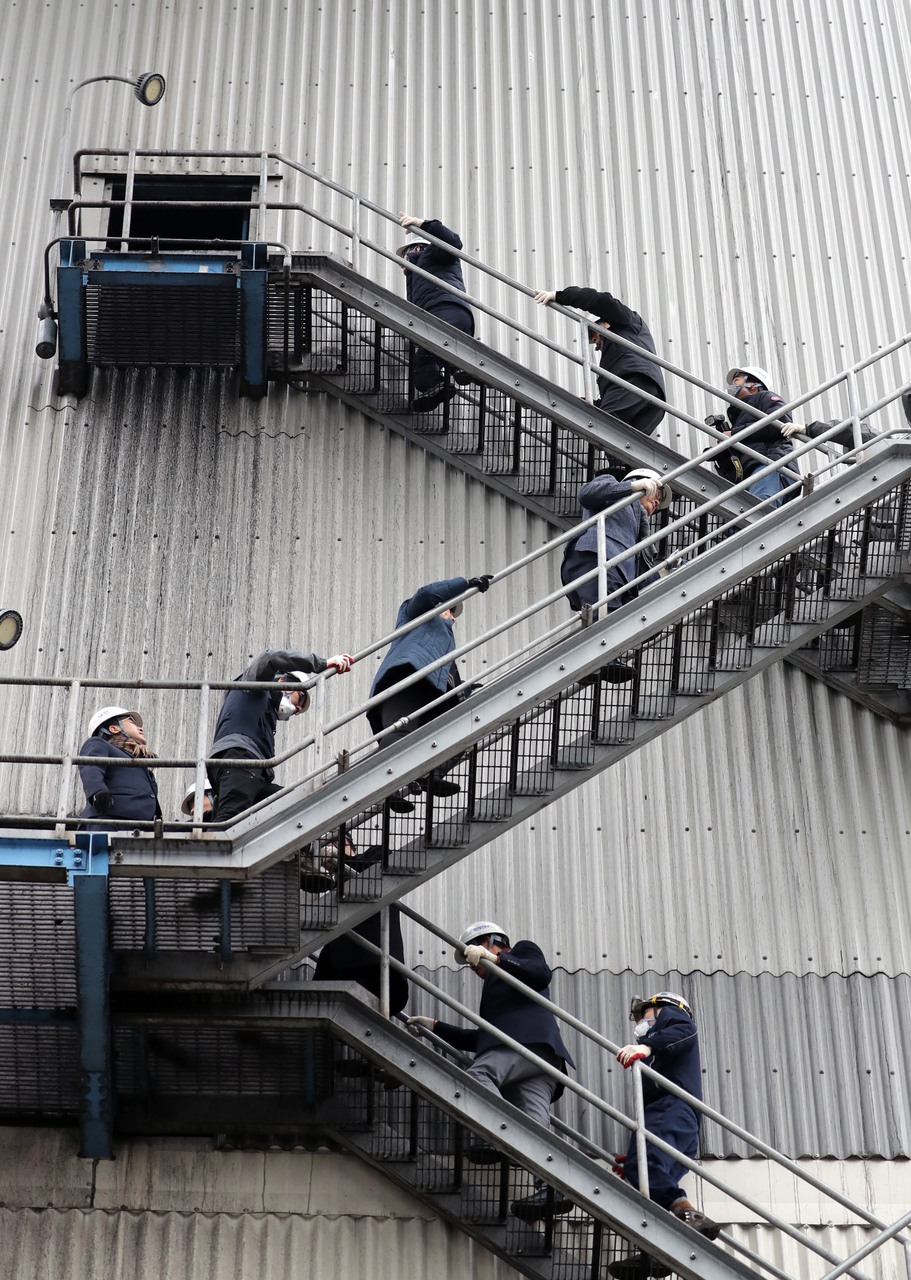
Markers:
(424, 293)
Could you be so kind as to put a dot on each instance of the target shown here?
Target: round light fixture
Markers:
(10, 628)
(150, 88)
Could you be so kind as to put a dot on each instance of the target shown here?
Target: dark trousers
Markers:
(630, 408)
(238, 789)
(409, 702)
(677, 1123)
(575, 563)
(428, 370)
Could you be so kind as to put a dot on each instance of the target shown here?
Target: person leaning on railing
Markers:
(632, 366)
(246, 725)
(112, 791)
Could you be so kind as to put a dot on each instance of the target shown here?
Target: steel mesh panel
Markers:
(493, 775)
(324, 333)
(164, 325)
(37, 946)
(884, 649)
(284, 324)
(264, 912)
(182, 1061)
(39, 1070)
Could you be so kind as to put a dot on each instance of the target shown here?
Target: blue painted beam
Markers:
(53, 861)
(90, 902)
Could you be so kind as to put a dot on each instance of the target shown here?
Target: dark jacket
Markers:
(342, 959)
(674, 1042)
(424, 293)
(768, 440)
(622, 529)
(626, 323)
(512, 1012)
(424, 644)
(134, 791)
(247, 720)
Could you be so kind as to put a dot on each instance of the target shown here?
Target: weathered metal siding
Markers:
(737, 172)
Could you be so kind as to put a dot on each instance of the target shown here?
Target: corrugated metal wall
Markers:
(738, 172)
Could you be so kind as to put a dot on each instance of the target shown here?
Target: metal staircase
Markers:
(550, 720)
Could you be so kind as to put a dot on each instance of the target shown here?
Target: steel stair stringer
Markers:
(425, 1155)
(545, 681)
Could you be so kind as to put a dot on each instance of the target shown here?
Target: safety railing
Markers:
(676, 540)
(636, 1123)
(570, 363)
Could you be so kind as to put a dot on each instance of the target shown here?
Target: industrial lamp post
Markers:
(149, 90)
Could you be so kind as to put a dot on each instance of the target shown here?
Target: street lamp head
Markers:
(150, 88)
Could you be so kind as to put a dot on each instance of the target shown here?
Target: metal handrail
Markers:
(887, 1231)
(68, 758)
(358, 240)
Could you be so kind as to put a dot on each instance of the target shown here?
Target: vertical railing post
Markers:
(70, 748)
(641, 1145)
(854, 406)
(384, 962)
(586, 372)
(202, 739)
(601, 544)
(355, 231)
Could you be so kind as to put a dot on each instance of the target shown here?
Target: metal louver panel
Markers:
(164, 325)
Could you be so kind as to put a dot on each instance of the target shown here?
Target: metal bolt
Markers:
(412, 1062)
(457, 1094)
(549, 1158)
(502, 1126)
(367, 1033)
(682, 595)
(433, 744)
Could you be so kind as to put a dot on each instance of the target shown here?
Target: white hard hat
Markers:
(303, 677)
(106, 715)
(186, 804)
(474, 932)
(646, 473)
(670, 999)
(753, 372)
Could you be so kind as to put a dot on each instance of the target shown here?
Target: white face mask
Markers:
(641, 1029)
(286, 708)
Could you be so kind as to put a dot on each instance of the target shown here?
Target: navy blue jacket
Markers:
(674, 1042)
(424, 644)
(247, 720)
(134, 791)
(512, 1012)
(622, 530)
(768, 440)
(626, 323)
(424, 293)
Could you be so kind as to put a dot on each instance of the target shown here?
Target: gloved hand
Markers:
(631, 1053)
(482, 583)
(791, 429)
(418, 1022)
(646, 486)
(544, 296)
(407, 220)
(343, 662)
(474, 954)
(102, 800)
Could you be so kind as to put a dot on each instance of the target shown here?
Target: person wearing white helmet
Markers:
(245, 728)
(112, 791)
(497, 1067)
(667, 1040)
(622, 529)
(428, 372)
(750, 385)
(208, 801)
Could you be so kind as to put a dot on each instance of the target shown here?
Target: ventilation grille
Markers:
(164, 325)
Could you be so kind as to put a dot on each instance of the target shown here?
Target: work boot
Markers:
(432, 398)
(532, 1208)
(637, 1266)
(698, 1221)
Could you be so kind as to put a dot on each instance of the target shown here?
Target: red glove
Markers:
(631, 1053)
(342, 662)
